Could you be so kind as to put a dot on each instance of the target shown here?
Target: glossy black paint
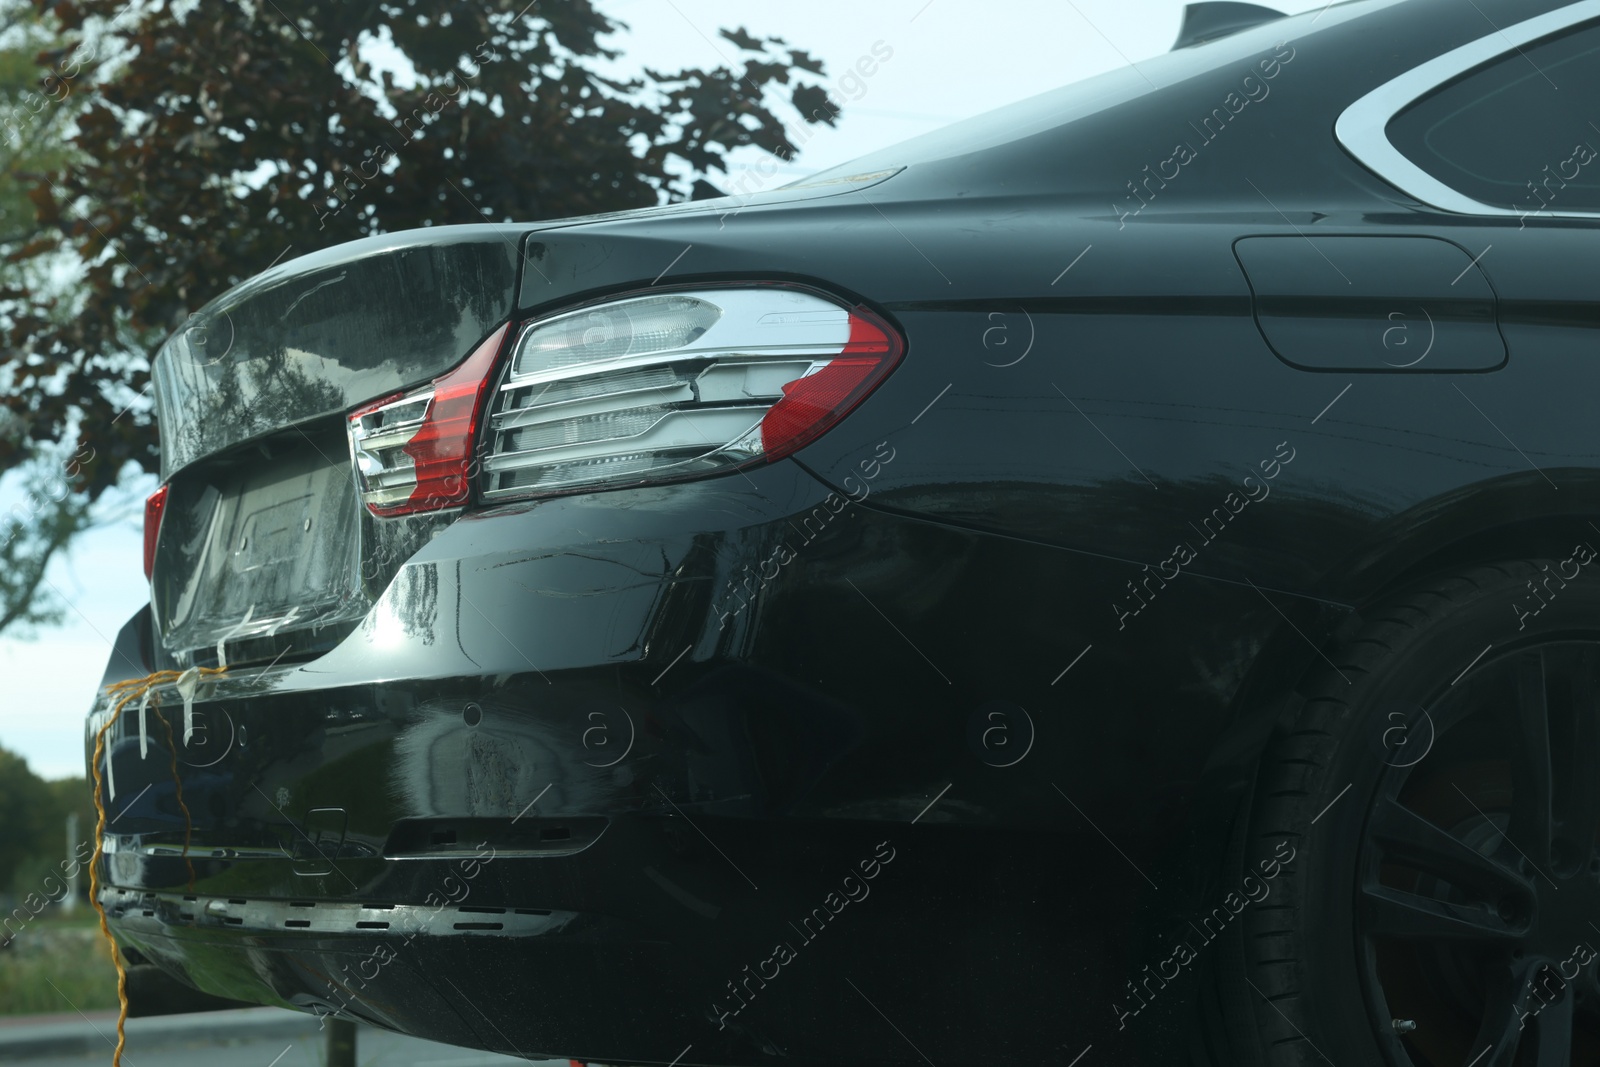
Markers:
(804, 732)
(1313, 322)
(1094, 510)
(324, 332)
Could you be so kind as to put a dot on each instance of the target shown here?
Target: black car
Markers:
(1109, 582)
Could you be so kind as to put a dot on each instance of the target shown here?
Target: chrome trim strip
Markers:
(724, 355)
(386, 440)
(1363, 127)
(555, 411)
(157, 912)
(542, 456)
(389, 495)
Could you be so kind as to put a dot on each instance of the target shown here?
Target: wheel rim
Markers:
(1478, 892)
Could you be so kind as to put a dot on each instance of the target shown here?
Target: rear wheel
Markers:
(1440, 787)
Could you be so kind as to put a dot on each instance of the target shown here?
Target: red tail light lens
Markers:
(812, 404)
(155, 505)
(414, 452)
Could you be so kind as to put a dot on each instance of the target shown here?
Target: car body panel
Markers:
(841, 707)
(326, 331)
(1026, 617)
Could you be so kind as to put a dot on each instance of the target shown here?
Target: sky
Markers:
(946, 60)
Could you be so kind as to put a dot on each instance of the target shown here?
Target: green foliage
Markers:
(36, 111)
(33, 818)
(27, 817)
(69, 796)
(32, 123)
(50, 513)
(221, 138)
(54, 966)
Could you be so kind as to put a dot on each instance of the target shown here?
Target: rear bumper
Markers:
(714, 766)
(671, 946)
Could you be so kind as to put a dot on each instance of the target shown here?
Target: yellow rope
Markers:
(129, 690)
(177, 783)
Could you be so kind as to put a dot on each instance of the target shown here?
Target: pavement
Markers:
(248, 1037)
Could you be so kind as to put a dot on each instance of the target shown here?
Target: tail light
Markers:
(643, 389)
(677, 385)
(413, 452)
(155, 505)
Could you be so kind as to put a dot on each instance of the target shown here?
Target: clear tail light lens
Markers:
(413, 452)
(677, 385)
(155, 505)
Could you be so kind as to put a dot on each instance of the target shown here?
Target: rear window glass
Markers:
(1522, 132)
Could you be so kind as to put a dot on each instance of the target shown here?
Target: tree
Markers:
(32, 126)
(50, 513)
(27, 814)
(35, 117)
(33, 824)
(221, 138)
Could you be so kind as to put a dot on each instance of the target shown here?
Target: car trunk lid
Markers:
(264, 547)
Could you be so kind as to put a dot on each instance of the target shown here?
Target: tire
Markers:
(1424, 884)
